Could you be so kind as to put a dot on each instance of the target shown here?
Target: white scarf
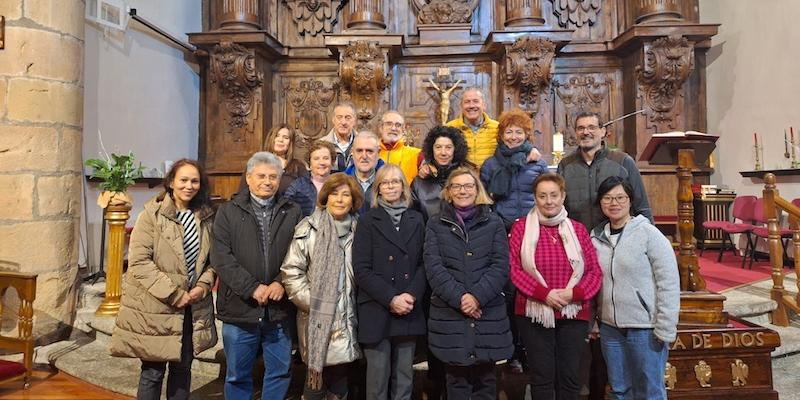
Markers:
(538, 311)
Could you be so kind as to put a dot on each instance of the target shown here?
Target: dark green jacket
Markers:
(583, 180)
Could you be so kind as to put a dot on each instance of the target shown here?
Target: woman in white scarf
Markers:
(554, 267)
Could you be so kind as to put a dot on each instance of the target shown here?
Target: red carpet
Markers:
(728, 273)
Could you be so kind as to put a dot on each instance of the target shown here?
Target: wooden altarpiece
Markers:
(265, 62)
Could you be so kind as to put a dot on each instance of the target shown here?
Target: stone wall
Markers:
(41, 101)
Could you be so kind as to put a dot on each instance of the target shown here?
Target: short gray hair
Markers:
(265, 157)
(473, 89)
(370, 135)
(392, 112)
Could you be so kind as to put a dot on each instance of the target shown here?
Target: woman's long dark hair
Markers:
(203, 197)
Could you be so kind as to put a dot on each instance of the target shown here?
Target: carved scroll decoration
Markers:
(363, 71)
(315, 16)
(576, 12)
(310, 100)
(739, 373)
(528, 63)
(233, 69)
(670, 376)
(702, 372)
(445, 11)
(668, 63)
(581, 93)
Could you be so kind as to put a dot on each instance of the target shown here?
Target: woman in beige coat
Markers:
(317, 274)
(167, 315)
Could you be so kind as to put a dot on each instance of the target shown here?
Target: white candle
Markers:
(558, 142)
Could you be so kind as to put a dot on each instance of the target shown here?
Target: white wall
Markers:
(753, 86)
(142, 93)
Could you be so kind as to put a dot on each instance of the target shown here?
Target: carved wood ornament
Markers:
(528, 63)
(363, 71)
(315, 16)
(310, 100)
(233, 69)
(576, 12)
(581, 93)
(445, 11)
(668, 63)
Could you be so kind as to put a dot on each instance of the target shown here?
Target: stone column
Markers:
(238, 14)
(41, 111)
(648, 11)
(365, 14)
(524, 13)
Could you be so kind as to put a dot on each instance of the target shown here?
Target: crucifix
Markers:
(443, 76)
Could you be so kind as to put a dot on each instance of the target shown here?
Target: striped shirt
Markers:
(191, 242)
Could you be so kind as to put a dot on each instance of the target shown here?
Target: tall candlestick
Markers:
(785, 145)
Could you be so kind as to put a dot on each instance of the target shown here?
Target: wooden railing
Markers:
(773, 202)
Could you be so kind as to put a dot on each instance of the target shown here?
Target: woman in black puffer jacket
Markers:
(466, 262)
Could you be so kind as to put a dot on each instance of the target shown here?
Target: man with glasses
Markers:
(590, 164)
(393, 147)
(365, 164)
(342, 134)
(584, 171)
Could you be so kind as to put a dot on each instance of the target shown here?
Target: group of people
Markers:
(371, 244)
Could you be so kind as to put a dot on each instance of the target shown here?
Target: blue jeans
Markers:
(635, 361)
(242, 343)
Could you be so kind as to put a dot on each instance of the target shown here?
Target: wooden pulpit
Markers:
(714, 356)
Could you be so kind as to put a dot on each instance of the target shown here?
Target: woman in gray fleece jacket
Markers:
(639, 301)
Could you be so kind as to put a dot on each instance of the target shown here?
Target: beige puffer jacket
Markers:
(343, 347)
(148, 325)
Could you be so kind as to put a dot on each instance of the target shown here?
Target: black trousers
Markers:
(476, 382)
(180, 373)
(334, 381)
(554, 357)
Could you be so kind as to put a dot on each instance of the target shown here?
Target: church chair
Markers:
(739, 204)
(763, 232)
(743, 209)
(25, 286)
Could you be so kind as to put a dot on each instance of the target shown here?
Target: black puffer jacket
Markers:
(473, 261)
(239, 261)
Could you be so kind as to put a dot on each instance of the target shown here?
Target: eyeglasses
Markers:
(457, 187)
(590, 128)
(621, 199)
(392, 182)
(390, 124)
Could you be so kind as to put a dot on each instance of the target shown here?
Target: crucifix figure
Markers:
(444, 95)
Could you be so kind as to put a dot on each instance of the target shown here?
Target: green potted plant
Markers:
(116, 174)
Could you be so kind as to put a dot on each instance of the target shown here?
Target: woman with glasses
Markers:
(639, 302)
(554, 267)
(391, 279)
(508, 175)
(466, 261)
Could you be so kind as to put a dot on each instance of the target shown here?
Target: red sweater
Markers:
(552, 263)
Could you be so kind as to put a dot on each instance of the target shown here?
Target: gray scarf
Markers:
(324, 271)
(395, 210)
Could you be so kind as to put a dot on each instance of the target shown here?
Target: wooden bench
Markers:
(25, 285)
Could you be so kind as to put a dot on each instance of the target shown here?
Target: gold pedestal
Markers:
(116, 217)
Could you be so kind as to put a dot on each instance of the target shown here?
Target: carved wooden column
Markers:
(524, 13)
(527, 70)
(364, 74)
(665, 65)
(365, 14)
(648, 11)
(116, 217)
(238, 14)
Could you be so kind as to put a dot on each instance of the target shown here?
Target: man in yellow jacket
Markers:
(393, 147)
(479, 130)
